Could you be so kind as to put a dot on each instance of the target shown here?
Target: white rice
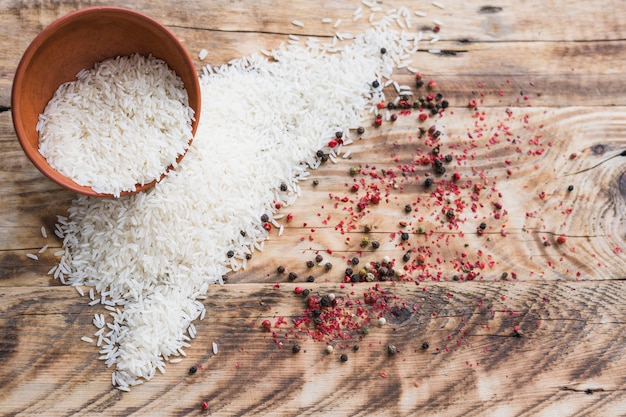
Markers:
(32, 256)
(103, 130)
(152, 256)
(44, 234)
(297, 23)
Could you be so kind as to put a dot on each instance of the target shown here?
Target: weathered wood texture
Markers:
(538, 331)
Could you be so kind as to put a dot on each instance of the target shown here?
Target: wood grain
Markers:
(546, 341)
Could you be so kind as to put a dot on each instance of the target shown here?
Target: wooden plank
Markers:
(549, 341)
(570, 355)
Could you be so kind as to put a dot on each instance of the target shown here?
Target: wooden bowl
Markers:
(77, 41)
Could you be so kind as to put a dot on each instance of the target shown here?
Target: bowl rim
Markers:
(28, 55)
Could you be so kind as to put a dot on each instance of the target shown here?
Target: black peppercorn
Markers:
(316, 312)
(265, 218)
(440, 170)
(319, 258)
(316, 182)
(248, 256)
(375, 244)
(310, 264)
(354, 278)
(325, 301)
(349, 272)
(438, 163)
(436, 134)
(419, 83)
(344, 357)
(354, 261)
(448, 158)
(570, 188)
(355, 348)
(230, 253)
(338, 134)
(404, 236)
(408, 208)
(319, 153)
(406, 257)
(193, 370)
(295, 348)
(450, 214)
(310, 278)
(428, 182)
(383, 51)
(425, 345)
(391, 105)
(292, 276)
(483, 226)
(444, 104)
(328, 266)
(360, 130)
(305, 292)
(375, 84)
(283, 187)
(280, 269)
(438, 96)
(383, 271)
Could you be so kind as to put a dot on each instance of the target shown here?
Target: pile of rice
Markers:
(150, 257)
(120, 124)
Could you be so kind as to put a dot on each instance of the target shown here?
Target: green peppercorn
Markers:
(392, 350)
(353, 171)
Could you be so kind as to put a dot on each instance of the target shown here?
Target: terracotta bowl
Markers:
(79, 40)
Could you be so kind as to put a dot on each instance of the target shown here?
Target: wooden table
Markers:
(546, 338)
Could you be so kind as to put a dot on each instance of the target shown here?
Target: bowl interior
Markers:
(78, 41)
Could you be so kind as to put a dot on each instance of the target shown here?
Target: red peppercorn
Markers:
(422, 117)
(332, 143)
(432, 84)
(205, 405)
(472, 103)
(378, 121)
(436, 29)
(561, 240)
(456, 176)
(297, 290)
(381, 105)
(267, 324)
(267, 226)
(355, 187)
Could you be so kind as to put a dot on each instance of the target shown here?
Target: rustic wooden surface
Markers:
(549, 342)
